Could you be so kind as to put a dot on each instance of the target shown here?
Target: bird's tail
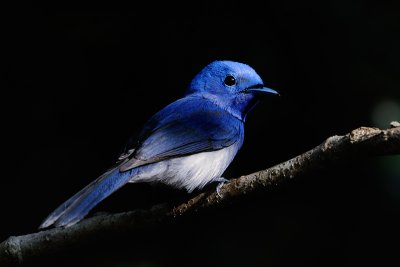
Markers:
(75, 208)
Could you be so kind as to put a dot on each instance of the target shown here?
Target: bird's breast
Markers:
(189, 172)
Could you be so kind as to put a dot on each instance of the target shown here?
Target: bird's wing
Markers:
(187, 126)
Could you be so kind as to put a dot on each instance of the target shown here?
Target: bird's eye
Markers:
(230, 80)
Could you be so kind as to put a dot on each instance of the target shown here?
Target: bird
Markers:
(186, 145)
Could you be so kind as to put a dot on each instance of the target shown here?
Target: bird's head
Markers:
(234, 86)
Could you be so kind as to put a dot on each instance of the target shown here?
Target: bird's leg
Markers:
(221, 181)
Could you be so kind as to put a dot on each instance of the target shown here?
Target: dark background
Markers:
(76, 85)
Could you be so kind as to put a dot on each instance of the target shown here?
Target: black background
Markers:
(76, 85)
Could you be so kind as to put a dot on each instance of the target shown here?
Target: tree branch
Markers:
(361, 142)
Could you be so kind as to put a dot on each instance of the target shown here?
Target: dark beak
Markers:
(260, 89)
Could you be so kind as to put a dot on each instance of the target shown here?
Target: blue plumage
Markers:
(190, 125)
(188, 144)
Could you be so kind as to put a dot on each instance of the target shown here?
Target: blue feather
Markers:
(75, 208)
(189, 125)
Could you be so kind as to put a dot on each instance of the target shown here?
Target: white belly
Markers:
(190, 172)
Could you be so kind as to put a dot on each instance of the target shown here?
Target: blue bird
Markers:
(186, 145)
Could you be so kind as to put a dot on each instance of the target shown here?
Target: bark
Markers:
(361, 142)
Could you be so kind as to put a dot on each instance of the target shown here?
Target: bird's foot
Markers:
(221, 181)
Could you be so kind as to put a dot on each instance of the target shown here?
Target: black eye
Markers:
(230, 80)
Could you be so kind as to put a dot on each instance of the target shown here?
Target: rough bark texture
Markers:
(361, 142)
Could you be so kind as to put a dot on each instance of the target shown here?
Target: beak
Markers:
(260, 89)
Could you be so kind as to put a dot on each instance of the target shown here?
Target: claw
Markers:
(221, 181)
